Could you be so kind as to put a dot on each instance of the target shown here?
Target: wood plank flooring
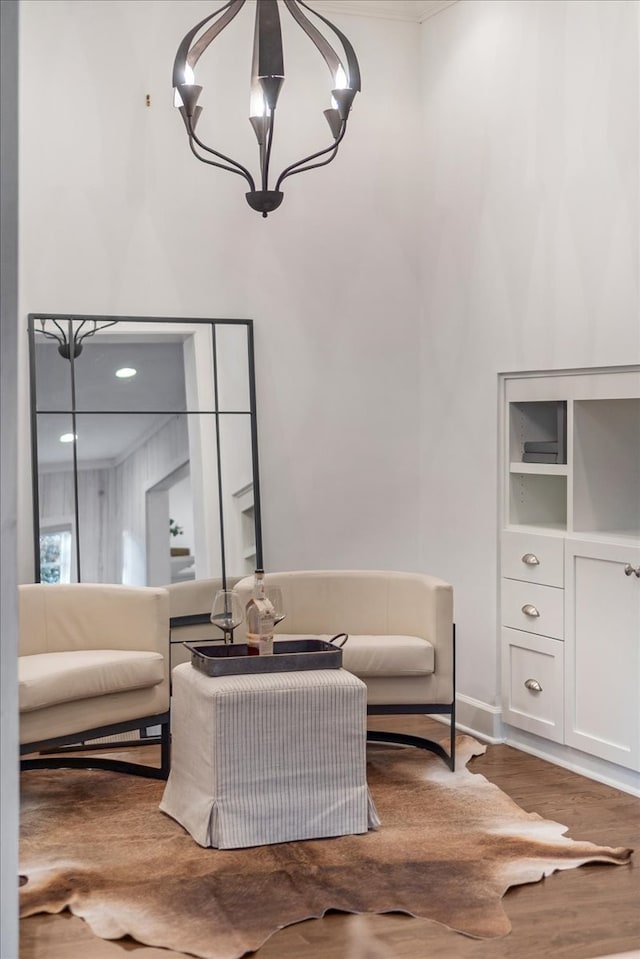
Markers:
(578, 914)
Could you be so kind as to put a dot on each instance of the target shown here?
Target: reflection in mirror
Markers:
(156, 480)
(237, 492)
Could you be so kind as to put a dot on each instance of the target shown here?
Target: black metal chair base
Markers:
(403, 739)
(91, 762)
(421, 742)
(100, 762)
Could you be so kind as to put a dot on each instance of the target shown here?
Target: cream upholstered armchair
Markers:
(401, 637)
(94, 662)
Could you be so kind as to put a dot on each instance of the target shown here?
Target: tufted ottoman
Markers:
(268, 758)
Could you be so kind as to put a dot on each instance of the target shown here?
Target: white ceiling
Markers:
(413, 10)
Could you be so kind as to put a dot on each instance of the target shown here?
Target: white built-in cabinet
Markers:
(570, 559)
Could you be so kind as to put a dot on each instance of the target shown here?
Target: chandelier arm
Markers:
(203, 42)
(288, 171)
(321, 43)
(235, 168)
(92, 332)
(312, 166)
(62, 339)
(76, 332)
(63, 332)
(222, 166)
(183, 50)
(352, 60)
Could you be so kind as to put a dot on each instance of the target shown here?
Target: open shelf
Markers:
(538, 499)
(606, 465)
(539, 422)
(549, 469)
(552, 529)
(621, 536)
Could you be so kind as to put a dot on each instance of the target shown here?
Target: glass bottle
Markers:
(260, 619)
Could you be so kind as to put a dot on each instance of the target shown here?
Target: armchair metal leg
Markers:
(421, 742)
(452, 739)
(100, 762)
(404, 739)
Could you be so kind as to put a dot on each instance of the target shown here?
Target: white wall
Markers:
(117, 217)
(390, 288)
(530, 220)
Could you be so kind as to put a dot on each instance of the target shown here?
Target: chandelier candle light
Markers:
(267, 78)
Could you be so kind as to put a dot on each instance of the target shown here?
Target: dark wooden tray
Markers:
(288, 655)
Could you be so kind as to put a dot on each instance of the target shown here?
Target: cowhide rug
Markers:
(449, 847)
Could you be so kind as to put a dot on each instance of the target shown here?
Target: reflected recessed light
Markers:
(126, 372)
(68, 437)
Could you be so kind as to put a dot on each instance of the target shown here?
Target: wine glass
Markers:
(274, 595)
(226, 612)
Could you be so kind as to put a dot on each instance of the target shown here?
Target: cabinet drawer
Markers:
(533, 608)
(532, 683)
(520, 550)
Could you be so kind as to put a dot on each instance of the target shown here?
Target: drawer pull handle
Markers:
(533, 685)
(628, 570)
(530, 559)
(530, 610)
(638, 571)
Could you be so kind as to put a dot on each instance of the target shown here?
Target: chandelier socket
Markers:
(260, 128)
(335, 122)
(190, 121)
(344, 99)
(271, 87)
(189, 93)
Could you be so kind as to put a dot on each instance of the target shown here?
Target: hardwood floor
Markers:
(577, 914)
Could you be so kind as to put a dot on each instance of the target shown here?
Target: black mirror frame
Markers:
(62, 318)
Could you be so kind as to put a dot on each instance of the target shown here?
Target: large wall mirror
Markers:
(144, 444)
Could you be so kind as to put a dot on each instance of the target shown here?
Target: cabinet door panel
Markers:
(603, 651)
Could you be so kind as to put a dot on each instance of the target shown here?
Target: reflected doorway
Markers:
(170, 529)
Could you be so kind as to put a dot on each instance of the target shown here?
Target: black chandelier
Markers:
(70, 340)
(267, 77)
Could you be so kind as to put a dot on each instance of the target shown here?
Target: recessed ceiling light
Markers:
(126, 372)
(68, 437)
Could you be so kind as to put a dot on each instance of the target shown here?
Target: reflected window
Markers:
(55, 555)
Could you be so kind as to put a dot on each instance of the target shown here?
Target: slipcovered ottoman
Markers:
(268, 758)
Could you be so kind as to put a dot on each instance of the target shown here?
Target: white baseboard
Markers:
(485, 723)
(477, 719)
(626, 780)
